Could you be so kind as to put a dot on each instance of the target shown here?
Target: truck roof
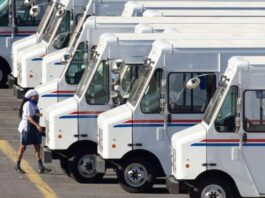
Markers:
(117, 20)
(172, 45)
(141, 27)
(206, 13)
(199, 4)
(185, 36)
(254, 60)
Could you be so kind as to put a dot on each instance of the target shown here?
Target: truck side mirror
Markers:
(237, 120)
(28, 2)
(60, 12)
(193, 83)
(162, 105)
(65, 58)
(115, 77)
(34, 11)
(116, 97)
(117, 65)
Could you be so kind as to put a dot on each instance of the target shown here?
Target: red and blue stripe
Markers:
(228, 143)
(157, 123)
(59, 94)
(81, 114)
(17, 34)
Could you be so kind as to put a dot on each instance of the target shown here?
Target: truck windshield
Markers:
(76, 67)
(50, 8)
(85, 78)
(62, 36)
(3, 12)
(139, 86)
(215, 100)
(47, 33)
(129, 74)
(77, 31)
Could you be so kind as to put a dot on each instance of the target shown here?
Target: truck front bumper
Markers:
(173, 185)
(11, 81)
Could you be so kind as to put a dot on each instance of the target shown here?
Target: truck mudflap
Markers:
(11, 81)
(173, 185)
(19, 92)
(100, 164)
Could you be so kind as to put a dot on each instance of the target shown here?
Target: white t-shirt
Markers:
(28, 110)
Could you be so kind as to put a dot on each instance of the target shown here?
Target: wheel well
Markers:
(4, 62)
(219, 174)
(84, 144)
(140, 153)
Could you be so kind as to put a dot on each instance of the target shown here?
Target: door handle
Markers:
(245, 137)
(169, 118)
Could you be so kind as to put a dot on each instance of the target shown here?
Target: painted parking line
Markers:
(32, 175)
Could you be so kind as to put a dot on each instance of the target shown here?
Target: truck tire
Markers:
(214, 188)
(82, 167)
(64, 166)
(136, 175)
(3, 74)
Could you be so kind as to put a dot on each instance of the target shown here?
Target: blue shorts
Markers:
(31, 138)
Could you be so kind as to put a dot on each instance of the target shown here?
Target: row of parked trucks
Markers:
(150, 89)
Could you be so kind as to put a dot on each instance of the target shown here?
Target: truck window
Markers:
(182, 100)
(254, 111)
(128, 76)
(23, 17)
(76, 67)
(225, 120)
(4, 12)
(150, 102)
(98, 91)
(63, 34)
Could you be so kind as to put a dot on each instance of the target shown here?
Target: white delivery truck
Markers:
(224, 155)
(55, 36)
(136, 136)
(137, 8)
(30, 40)
(15, 23)
(71, 124)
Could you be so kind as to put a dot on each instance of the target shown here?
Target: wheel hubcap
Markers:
(86, 166)
(135, 175)
(213, 191)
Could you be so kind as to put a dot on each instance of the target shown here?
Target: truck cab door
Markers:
(253, 139)
(222, 138)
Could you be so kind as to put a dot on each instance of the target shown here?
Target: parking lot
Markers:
(54, 184)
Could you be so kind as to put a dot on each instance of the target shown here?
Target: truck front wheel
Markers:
(82, 167)
(214, 188)
(136, 176)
